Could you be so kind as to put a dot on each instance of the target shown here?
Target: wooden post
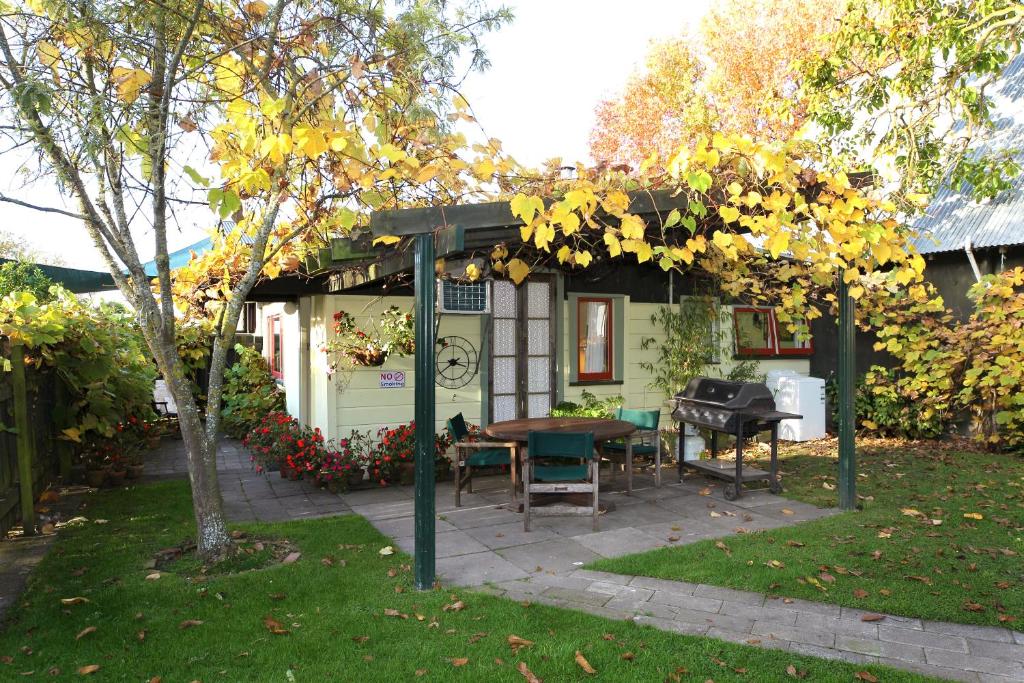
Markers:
(64, 448)
(423, 278)
(847, 380)
(24, 439)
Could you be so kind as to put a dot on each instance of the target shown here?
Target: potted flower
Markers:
(394, 459)
(392, 333)
(398, 331)
(117, 470)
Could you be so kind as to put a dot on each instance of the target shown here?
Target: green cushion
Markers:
(638, 448)
(489, 456)
(559, 472)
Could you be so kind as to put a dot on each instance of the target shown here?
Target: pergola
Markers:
(437, 232)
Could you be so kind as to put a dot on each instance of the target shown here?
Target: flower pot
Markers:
(333, 486)
(135, 471)
(293, 473)
(355, 478)
(442, 470)
(407, 473)
(95, 478)
(116, 478)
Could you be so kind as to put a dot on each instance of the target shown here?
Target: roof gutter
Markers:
(970, 257)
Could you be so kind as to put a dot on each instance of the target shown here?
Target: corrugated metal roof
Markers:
(953, 217)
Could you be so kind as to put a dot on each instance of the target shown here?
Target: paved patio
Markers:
(482, 544)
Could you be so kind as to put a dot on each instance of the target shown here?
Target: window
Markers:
(758, 333)
(594, 338)
(275, 354)
(247, 320)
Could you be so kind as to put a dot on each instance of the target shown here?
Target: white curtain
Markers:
(596, 356)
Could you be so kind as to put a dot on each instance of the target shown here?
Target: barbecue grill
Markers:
(738, 408)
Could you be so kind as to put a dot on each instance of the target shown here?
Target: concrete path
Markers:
(482, 544)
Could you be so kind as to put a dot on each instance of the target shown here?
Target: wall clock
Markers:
(455, 362)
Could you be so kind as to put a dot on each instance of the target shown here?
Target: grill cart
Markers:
(738, 408)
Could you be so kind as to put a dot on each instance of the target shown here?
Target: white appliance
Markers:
(693, 442)
(796, 393)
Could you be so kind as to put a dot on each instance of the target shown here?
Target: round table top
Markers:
(518, 430)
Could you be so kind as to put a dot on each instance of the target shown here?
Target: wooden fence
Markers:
(31, 457)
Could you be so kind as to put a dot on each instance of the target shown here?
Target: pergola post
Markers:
(423, 278)
(847, 381)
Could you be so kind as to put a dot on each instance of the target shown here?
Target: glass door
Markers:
(522, 349)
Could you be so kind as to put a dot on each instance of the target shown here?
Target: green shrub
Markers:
(591, 407)
(20, 276)
(250, 393)
(881, 408)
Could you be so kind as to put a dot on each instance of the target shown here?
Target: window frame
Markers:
(272, 320)
(774, 348)
(609, 374)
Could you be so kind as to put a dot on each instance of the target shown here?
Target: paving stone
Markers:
(795, 633)
(922, 638)
(680, 587)
(507, 535)
(831, 653)
(617, 542)
(618, 590)
(663, 624)
(890, 619)
(644, 607)
(475, 570)
(988, 648)
(880, 648)
(709, 605)
(574, 595)
(747, 638)
(724, 621)
(450, 544)
(404, 526)
(488, 515)
(559, 555)
(561, 580)
(607, 577)
(730, 595)
(939, 672)
(999, 635)
(783, 617)
(992, 678)
(957, 660)
(845, 626)
(1018, 637)
(386, 510)
(807, 606)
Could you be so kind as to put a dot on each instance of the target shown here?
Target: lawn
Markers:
(342, 611)
(940, 536)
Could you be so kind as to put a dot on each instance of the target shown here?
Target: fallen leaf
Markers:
(706, 491)
(386, 550)
(628, 656)
(460, 661)
(291, 557)
(1006, 618)
(584, 664)
(153, 577)
(274, 626)
(85, 631)
(53, 671)
(527, 674)
(715, 514)
(388, 612)
(794, 544)
(420, 672)
(327, 561)
(74, 601)
(973, 607)
(723, 547)
(360, 639)
(456, 606)
(277, 596)
(141, 635)
(775, 564)
(860, 593)
(517, 643)
(826, 577)
(910, 512)
(974, 515)
(865, 676)
(872, 617)
(189, 623)
(88, 669)
(673, 539)
(787, 511)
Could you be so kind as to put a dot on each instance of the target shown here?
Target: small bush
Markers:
(249, 393)
(591, 406)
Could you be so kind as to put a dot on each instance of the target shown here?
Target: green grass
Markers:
(891, 556)
(334, 614)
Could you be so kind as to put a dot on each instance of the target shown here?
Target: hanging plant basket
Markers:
(367, 357)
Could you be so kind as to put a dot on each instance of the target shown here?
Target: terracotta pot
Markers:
(135, 471)
(116, 477)
(407, 473)
(95, 478)
(293, 473)
(334, 486)
(355, 478)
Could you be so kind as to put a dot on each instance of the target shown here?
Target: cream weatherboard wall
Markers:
(352, 398)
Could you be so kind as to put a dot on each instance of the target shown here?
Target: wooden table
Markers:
(603, 430)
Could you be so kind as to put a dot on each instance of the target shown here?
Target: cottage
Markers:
(503, 351)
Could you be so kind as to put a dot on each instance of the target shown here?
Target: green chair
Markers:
(481, 454)
(560, 463)
(644, 441)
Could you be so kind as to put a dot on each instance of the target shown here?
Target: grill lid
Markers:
(725, 394)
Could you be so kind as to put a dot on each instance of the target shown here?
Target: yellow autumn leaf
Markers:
(722, 239)
(614, 248)
(387, 239)
(583, 258)
(644, 252)
(473, 272)
(777, 243)
(632, 227)
(256, 9)
(130, 82)
(311, 141)
(728, 213)
(974, 515)
(517, 270)
(856, 292)
(73, 434)
(526, 207)
(563, 253)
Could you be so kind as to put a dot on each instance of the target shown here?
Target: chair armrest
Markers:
(486, 444)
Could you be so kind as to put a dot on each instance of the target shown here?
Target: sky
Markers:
(549, 69)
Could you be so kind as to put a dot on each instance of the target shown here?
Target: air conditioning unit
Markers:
(464, 298)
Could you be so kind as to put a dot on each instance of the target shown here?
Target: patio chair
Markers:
(481, 454)
(645, 441)
(560, 463)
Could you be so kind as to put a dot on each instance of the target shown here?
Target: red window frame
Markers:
(276, 370)
(581, 345)
(774, 348)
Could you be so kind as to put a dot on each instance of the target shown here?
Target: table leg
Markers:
(517, 458)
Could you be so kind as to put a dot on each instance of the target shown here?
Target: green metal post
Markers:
(424, 522)
(847, 380)
(24, 439)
